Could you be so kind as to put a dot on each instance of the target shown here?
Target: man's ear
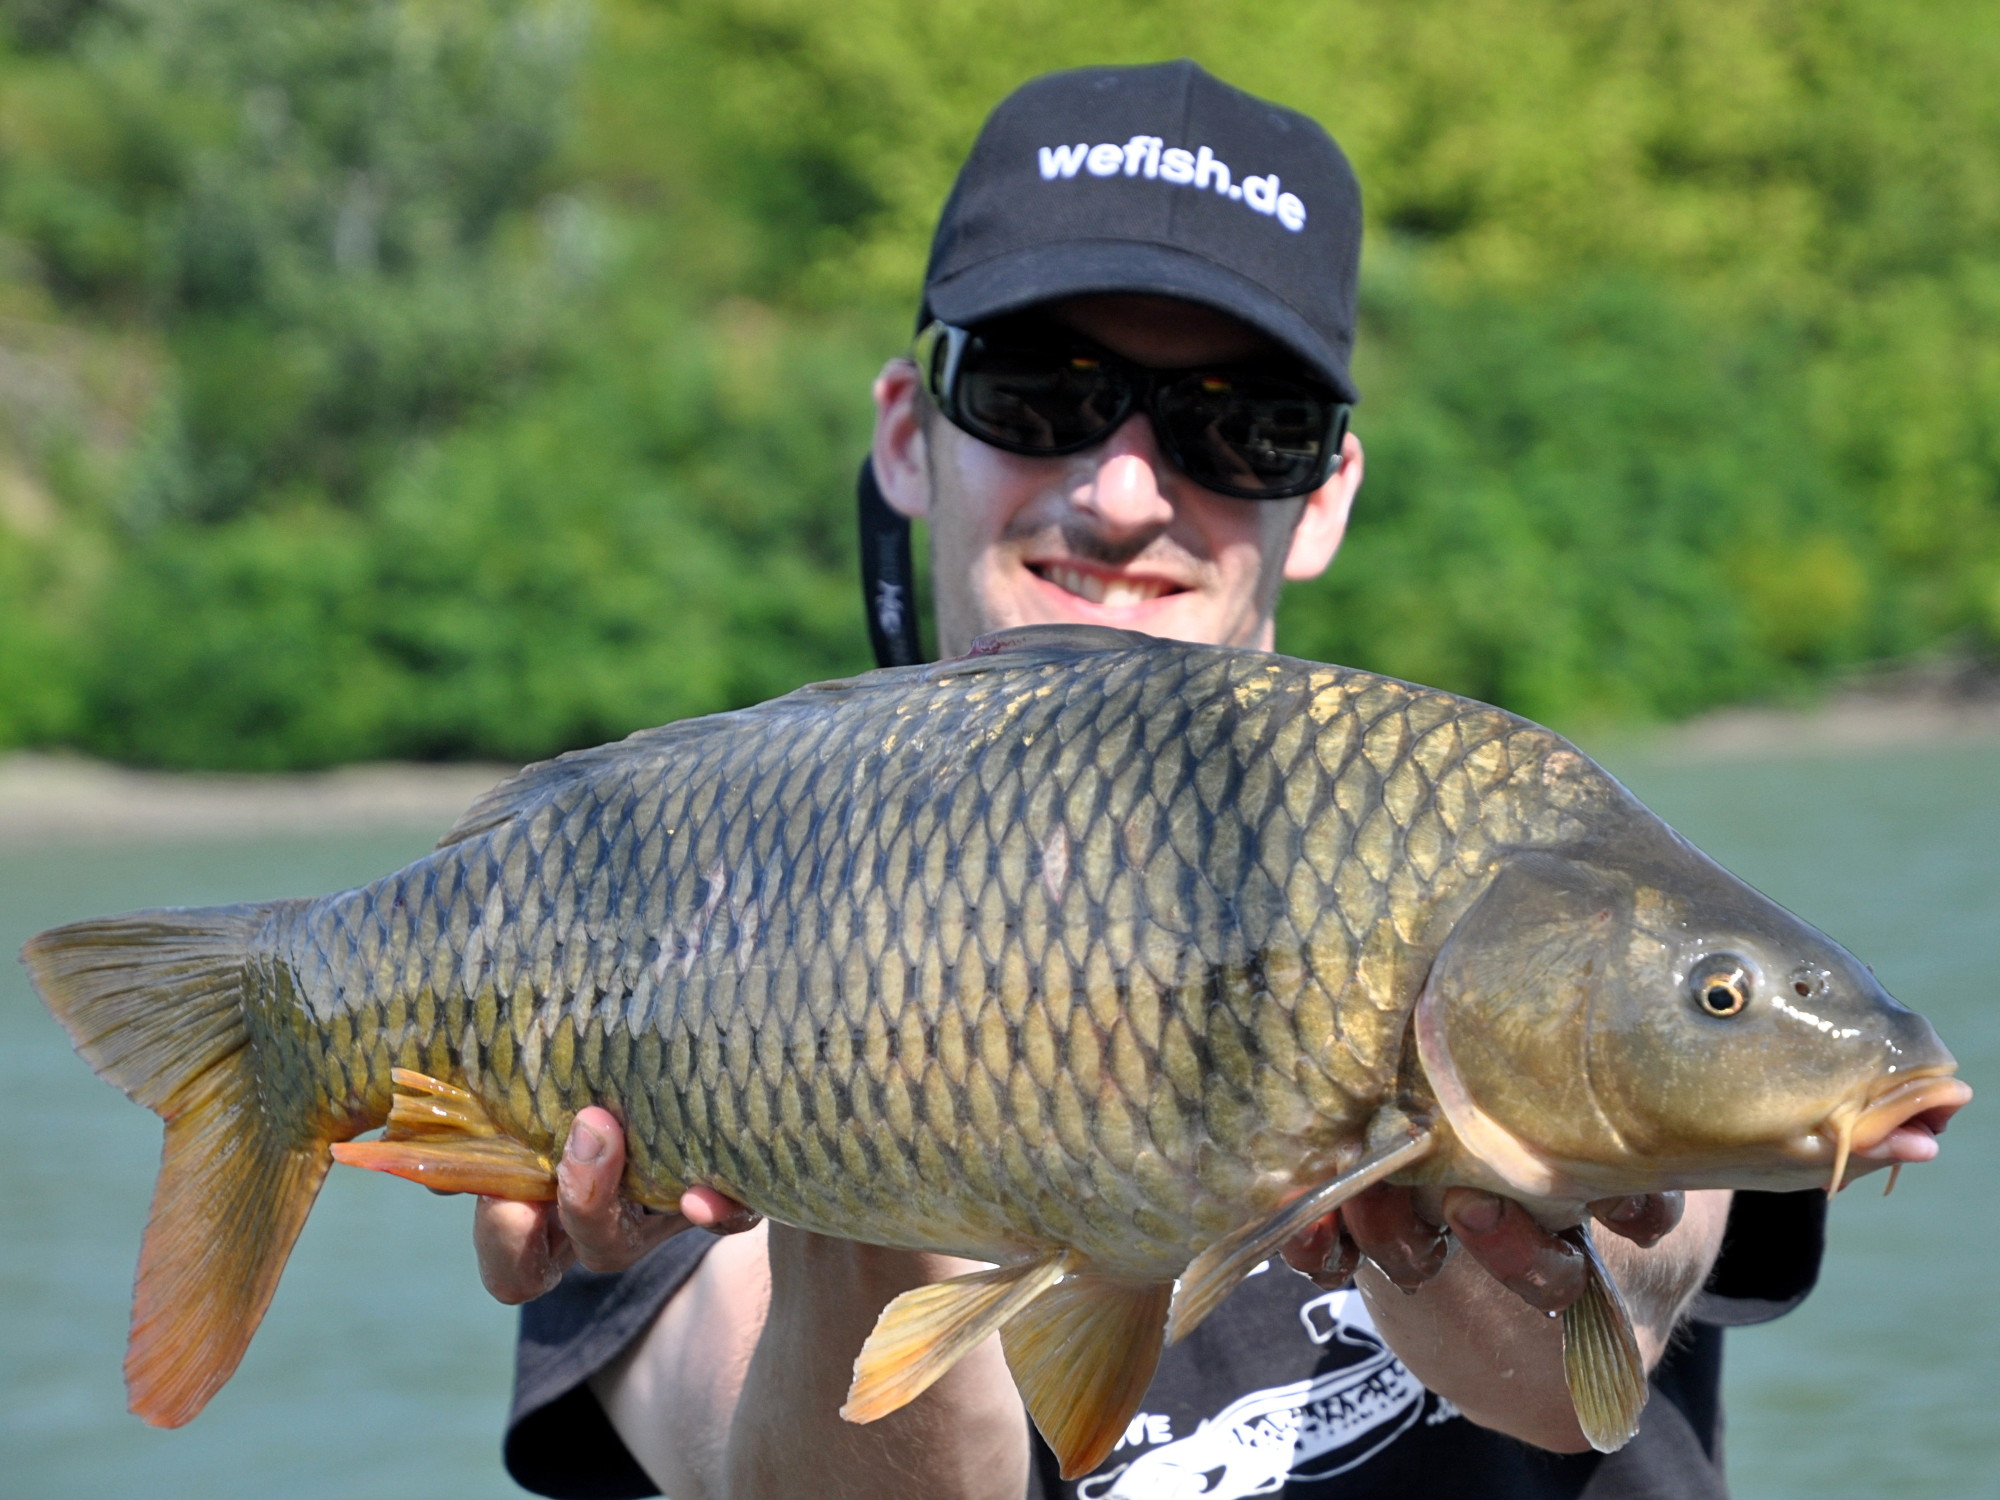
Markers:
(902, 469)
(1320, 530)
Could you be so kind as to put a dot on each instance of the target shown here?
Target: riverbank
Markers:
(48, 797)
(44, 797)
(1937, 702)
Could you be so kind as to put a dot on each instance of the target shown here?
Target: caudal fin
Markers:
(154, 1002)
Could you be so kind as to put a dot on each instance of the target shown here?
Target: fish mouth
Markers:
(1898, 1124)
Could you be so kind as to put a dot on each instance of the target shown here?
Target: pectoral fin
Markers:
(1083, 1355)
(1601, 1360)
(1212, 1275)
(926, 1331)
(441, 1136)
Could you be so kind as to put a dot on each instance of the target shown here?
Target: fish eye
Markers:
(1720, 985)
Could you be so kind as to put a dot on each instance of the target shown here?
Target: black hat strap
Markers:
(888, 581)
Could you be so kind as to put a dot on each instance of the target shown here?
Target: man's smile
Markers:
(1103, 586)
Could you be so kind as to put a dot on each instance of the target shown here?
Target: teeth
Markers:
(1115, 592)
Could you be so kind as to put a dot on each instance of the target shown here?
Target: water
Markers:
(1883, 1382)
(382, 1369)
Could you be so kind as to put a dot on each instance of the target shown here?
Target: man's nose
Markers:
(1123, 488)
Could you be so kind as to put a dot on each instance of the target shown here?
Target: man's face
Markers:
(1114, 535)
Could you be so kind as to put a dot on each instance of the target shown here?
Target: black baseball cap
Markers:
(1161, 180)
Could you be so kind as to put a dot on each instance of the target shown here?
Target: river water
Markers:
(382, 1370)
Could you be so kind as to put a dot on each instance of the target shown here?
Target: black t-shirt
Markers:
(1286, 1389)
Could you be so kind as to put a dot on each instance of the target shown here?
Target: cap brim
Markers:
(1047, 273)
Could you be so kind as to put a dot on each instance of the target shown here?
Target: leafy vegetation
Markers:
(447, 378)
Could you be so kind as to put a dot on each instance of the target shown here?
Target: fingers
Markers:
(1518, 1253)
(1386, 1227)
(705, 1208)
(1645, 1219)
(521, 1249)
(608, 1233)
(1325, 1252)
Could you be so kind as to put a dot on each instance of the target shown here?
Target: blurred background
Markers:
(468, 380)
(479, 378)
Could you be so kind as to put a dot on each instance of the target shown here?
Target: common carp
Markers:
(1108, 960)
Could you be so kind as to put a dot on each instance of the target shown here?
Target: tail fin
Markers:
(154, 1002)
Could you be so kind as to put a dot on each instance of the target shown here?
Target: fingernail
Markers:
(1342, 1256)
(1480, 1212)
(1628, 1209)
(585, 1145)
(1430, 1260)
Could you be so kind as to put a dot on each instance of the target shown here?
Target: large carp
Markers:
(1109, 960)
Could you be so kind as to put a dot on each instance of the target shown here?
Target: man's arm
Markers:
(736, 1389)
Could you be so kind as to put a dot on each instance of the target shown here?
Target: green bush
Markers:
(1595, 505)
(487, 376)
(636, 545)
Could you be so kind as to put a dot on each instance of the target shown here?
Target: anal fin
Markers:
(927, 1330)
(1083, 1355)
(1213, 1274)
(1601, 1359)
(441, 1136)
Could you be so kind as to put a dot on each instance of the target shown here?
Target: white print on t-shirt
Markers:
(1149, 157)
(1310, 1429)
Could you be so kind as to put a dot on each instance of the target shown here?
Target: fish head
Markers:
(1592, 1028)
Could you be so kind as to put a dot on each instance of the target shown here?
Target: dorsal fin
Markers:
(537, 785)
(1066, 637)
(1028, 645)
(545, 781)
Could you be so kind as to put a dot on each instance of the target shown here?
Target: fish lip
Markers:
(1900, 1122)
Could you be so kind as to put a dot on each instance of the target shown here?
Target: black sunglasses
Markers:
(1043, 391)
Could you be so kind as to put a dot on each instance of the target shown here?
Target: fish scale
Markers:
(1111, 960)
(1140, 967)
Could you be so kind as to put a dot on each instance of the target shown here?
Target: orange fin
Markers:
(154, 1002)
(441, 1136)
(1601, 1361)
(1083, 1356)
(1213, 1274)
(927, 1330)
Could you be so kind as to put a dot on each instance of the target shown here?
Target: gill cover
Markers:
(1502, 1026)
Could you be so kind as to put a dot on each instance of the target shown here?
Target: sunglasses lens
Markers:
(1038, 401)
(1254, 436)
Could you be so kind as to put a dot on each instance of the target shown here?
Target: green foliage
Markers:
(1593, 505)
(502, 364)
(551, 576)
(310, 202)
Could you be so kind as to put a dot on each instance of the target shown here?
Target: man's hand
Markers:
(524, 1248)
(1408, 1246)
(1471, 1326)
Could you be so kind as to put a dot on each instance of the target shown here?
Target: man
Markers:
(1128, 408)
